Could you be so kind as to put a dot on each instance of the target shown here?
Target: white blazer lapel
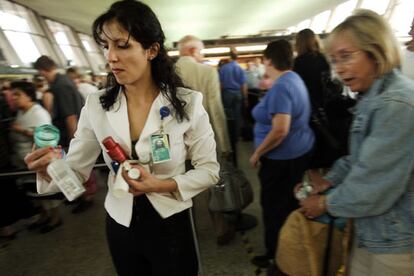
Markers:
(153, 123)
(118, 120)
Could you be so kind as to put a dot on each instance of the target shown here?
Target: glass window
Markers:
(17, 32)
(89, 43)
(66, 41)
(95, 56)
(378, 6)
(24, 46)
(319, 22)
(86, 45)
(13, 22)
(402, 17)
(341, 12)
(23, 32)
(31, 19)
(98, 62)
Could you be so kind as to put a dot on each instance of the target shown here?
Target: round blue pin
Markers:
(164, 112)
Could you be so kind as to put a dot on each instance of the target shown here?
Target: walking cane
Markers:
(196, 244)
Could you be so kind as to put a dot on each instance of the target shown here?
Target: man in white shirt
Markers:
(408, 55)
(84, 88)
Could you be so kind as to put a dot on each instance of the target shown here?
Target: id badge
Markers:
(160, 148)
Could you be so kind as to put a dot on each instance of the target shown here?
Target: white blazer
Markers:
(191, 139)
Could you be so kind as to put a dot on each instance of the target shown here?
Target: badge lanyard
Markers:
(164, 112)
(160, 143)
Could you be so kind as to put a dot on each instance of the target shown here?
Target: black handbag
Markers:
(232, 193)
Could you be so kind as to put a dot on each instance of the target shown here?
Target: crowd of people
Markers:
(48, 98)
(368, 179)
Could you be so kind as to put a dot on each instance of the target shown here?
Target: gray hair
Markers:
(188, 42)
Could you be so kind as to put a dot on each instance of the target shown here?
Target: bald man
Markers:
(204, 78)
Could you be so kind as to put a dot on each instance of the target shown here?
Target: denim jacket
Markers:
(375, 182)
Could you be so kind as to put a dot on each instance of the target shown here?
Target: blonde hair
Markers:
(372, 34)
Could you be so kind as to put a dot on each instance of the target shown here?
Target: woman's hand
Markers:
(297, 188)
(39, 159)
(313, 206)
(16, 127)
(254, 160)
(147, 183)
(320, 185)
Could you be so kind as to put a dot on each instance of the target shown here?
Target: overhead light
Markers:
(173, 53)
(291, 29)
(250, 48)
(217, 50)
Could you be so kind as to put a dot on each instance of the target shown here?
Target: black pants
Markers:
(232, 103)
(14, 204)
(152, 246)
(277, 180)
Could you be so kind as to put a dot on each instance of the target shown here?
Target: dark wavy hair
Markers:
(27, 87)
(280, 53)
(142, 24)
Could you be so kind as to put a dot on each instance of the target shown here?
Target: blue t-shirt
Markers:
(232, 76)
(288, 95)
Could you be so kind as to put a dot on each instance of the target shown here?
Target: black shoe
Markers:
(38, 224)
(226, 238)
(49, 227)
(245, 222)
(82, 206)
(273, 270)
(4, 239)
(261, 261)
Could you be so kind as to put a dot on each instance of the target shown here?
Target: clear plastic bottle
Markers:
(65, 178)
(46, 135)
(58, 169)
(304, 191)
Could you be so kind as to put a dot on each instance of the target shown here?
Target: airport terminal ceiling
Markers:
(208, 19)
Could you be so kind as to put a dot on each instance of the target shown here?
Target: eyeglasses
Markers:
(344, 58)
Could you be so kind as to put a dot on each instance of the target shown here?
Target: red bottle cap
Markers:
(114, 150)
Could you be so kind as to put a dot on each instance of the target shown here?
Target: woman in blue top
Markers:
(283, 141)
(374, 184)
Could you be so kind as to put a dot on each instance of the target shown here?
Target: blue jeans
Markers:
(232, 103)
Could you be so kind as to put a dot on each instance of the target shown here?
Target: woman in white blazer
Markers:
(149, 230)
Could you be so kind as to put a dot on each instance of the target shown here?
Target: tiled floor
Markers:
(79, 246)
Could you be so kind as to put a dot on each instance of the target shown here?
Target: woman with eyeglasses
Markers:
(374, 184)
